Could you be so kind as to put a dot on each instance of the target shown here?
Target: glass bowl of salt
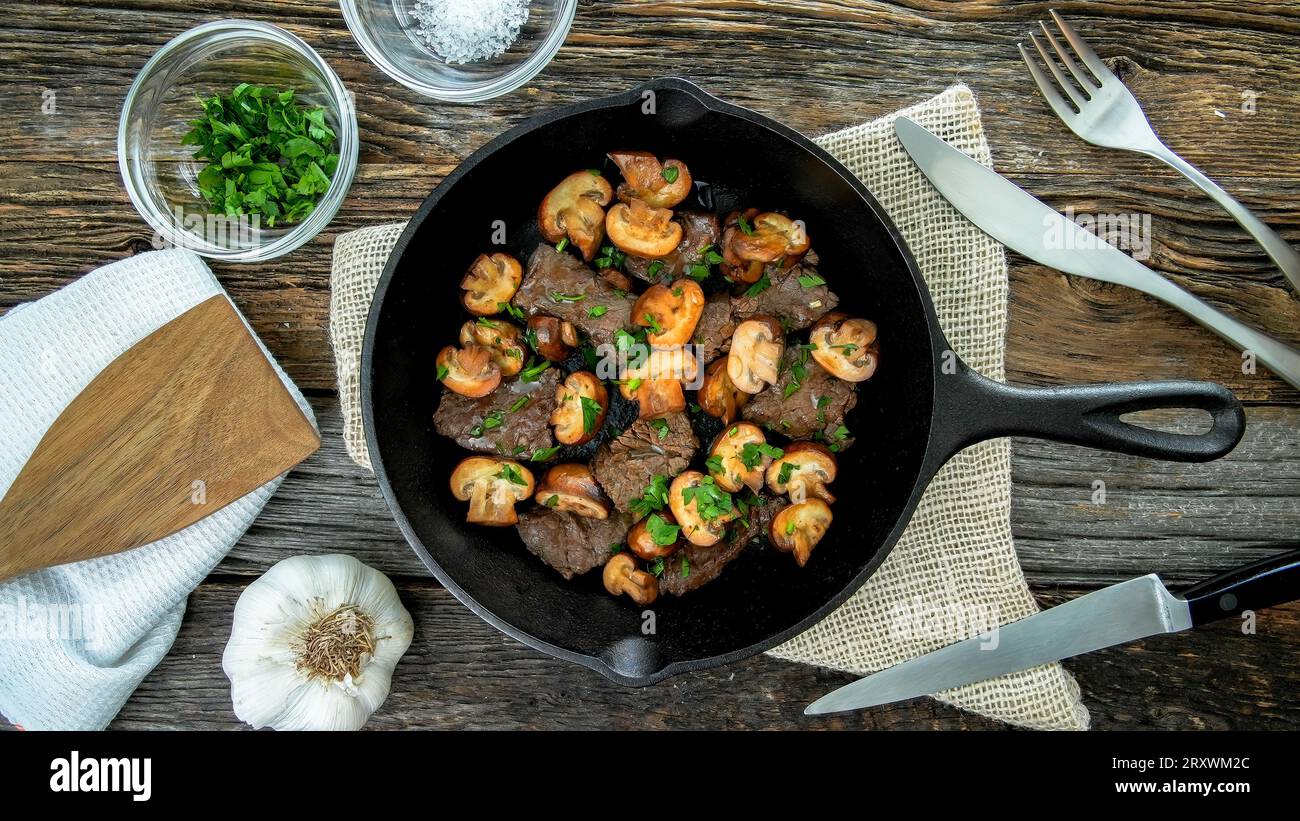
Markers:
(460, 50)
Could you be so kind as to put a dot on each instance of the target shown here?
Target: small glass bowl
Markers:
(386, 32)
(161, 174)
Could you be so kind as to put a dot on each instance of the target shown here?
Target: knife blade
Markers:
(1024, 224)
(1123, 612)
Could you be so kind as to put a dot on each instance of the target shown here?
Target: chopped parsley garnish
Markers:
(652, 323)
(442, 372)
(711, 256)
(542, 454)
(686, 566)
(848, 348)
(519, 403)
(556, 296)
(787, 468)
(654, 268)
(590, 357)
(745, 226)
(512, 474)
(841, 433)
(697, 271)
(653, 498)
(670, 173)
(487, 323)
(615, 547)
(823, 401)
(511, 309)
(661, 427)
(695, 407)
(657, 567)
(633, 384)
(610, 257)
(590, 413)
(596, 311)
(798, 371)
(552, 500)
(534, 371)
(764, 282)
(661, 532)
(751, 455)
(562, 244)
(714, 464)
(677, 292)
(811, 280)
(789, 527)
(711, 501)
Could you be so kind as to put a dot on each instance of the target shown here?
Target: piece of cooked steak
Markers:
(570, 543)
(704, 564)
(819, 405)
(487, 424)
(699, 231)
(559, 284)
(717, 324)
(624, 466)
(787, 299)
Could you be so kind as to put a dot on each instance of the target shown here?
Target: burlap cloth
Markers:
(954, 572)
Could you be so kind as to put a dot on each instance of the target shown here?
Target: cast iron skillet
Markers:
(910, 419)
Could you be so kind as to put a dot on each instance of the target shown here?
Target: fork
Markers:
(1108, 115)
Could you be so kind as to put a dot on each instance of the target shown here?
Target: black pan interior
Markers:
(763, 596)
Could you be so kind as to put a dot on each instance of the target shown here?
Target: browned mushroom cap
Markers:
(575, 209)
(803, 471)
(502, 340)
(645, 537)
(656, 384)
(490, 283)
(701, 508)
(739, 457)
(581, 403)
(846, 346)
(555, 339)
(754, 360)
(572, 488)
(468, 371)
(671, 312)
(717, 396)
(799, 527)
(621, 576)
(753, 239)
(662, 185)
(642, 230)
(492, 487)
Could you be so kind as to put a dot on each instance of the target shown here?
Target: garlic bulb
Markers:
(314, 644)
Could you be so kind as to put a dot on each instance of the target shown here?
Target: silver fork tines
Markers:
(1097, 107)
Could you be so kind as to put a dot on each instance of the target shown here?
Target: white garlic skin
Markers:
(261, 658)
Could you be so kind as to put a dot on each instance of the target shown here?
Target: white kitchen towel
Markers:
(77, 639)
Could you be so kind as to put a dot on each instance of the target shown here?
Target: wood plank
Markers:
(460, 673)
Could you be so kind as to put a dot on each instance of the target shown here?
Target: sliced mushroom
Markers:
(740, 456)
(717, 396)
(701, 507)
(468, 371)
(581, 403)
(642, 230)
(576, 209)
(492, 487)
(621, 576)
(641, 538)
(754, 360)
(846, 346)
(799, 527)
(502, 340)
(752, 239)
(554, 338)
(671, 312)
(811, 469)
(656, 384)
(572, 488)
(490, 283)
(662, 185)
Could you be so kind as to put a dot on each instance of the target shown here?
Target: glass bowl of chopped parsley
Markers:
(237, 141)
(460, 51)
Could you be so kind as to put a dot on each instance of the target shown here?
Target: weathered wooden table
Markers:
(1218, 79)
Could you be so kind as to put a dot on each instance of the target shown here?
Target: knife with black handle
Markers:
(1113, 615)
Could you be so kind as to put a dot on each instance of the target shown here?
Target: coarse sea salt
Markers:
(463, 31)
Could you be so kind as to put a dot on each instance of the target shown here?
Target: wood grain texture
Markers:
(118, 468)
(817, 65)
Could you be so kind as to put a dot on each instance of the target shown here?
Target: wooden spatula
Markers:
(188, 420)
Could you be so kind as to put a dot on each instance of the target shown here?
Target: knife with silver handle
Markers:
(1015, 218)
(1114, 615)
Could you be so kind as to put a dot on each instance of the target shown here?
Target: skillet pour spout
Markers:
(909, 419)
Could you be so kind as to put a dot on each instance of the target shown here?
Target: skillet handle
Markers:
(973, 408)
